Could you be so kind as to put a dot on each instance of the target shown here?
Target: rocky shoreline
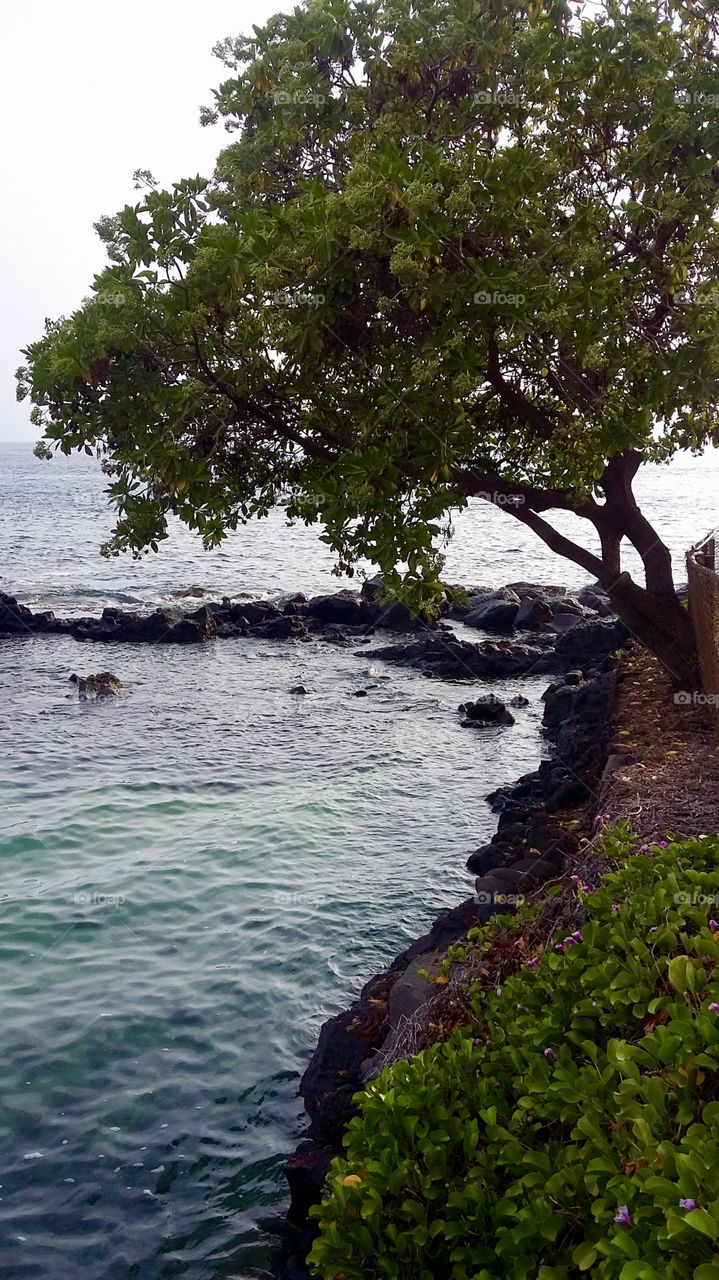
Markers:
(543, 630)
(542, 818)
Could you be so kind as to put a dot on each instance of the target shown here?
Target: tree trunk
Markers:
(662, 625)
(654, 613)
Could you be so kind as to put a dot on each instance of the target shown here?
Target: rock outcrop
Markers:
(557, 630)
(17, 619)
(440, 655)
(497, 612)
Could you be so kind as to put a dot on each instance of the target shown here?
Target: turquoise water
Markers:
(194, 876)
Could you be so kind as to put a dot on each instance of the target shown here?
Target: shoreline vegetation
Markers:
(544, 1103)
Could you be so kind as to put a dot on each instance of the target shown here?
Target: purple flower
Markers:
(574, 880)
(573, 938)
(714, 925)
(622, 1215)
(558, 947)
(653, 929)
(688, 1204)
(615, 908)
(714, 1007)
(663, 844)
(531, 964)
(644, 849)
(549, 1053)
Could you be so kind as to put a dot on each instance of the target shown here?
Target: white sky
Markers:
(89, 92)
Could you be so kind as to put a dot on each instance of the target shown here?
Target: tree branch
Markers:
(563, 546)
(513, 399)
(247, 411)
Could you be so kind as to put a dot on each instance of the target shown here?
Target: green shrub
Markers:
(457, 596)
(572, 1129)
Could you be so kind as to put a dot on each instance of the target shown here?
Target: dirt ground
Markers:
(665, 781)
(669, 779)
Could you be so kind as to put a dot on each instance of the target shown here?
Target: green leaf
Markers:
(584, 1255)
(680, 971)
(702, 1221)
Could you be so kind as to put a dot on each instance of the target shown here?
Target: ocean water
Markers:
(197, 873)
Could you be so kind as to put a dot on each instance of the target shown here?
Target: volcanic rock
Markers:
(94, 688)
(486, 711)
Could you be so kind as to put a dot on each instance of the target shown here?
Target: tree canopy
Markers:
(456, 248)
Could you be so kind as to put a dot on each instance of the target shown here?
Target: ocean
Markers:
(195, 875)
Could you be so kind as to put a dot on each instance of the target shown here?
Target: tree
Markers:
(458, 248)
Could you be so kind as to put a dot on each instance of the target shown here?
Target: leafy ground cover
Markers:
(571, 1126)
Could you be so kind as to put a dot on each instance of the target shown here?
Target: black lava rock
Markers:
(486, 711)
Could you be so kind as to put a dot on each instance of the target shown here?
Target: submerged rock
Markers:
(485, 711)
(94, 688)
(334, 634)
